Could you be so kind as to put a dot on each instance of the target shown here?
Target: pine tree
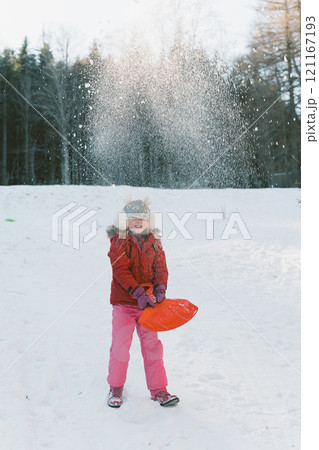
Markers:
(26, 72)
(55, 103)
(7, 67)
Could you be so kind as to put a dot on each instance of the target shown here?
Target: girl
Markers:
(137, 257)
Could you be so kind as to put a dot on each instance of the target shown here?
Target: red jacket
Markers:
(132, 266)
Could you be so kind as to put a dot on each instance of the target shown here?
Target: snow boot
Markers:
(115, 397)
(165, 399)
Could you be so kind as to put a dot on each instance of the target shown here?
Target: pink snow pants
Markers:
(124, 321)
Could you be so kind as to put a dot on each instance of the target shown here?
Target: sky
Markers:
(222, 24)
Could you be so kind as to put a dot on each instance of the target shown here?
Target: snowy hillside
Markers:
(234, 366)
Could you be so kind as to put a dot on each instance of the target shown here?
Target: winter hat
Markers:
(134, 208)
(137, 209)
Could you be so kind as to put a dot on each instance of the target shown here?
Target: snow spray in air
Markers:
(170, 120)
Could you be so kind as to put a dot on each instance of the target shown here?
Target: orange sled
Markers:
(167, 315)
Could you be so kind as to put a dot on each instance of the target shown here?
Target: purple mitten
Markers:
(142, 299)
(159, 292)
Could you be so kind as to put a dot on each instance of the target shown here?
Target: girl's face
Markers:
(137, 225)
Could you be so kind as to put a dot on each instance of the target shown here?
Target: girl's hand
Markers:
(159, 292)
(142, 299)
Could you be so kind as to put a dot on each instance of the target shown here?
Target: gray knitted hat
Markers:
(138, 209)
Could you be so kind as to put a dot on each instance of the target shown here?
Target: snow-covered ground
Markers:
(235, 366)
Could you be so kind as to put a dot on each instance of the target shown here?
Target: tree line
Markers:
(38, 91)
(157, 122)
(269, 75)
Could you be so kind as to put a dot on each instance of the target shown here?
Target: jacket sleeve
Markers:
(159, 268)
(121, 265)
